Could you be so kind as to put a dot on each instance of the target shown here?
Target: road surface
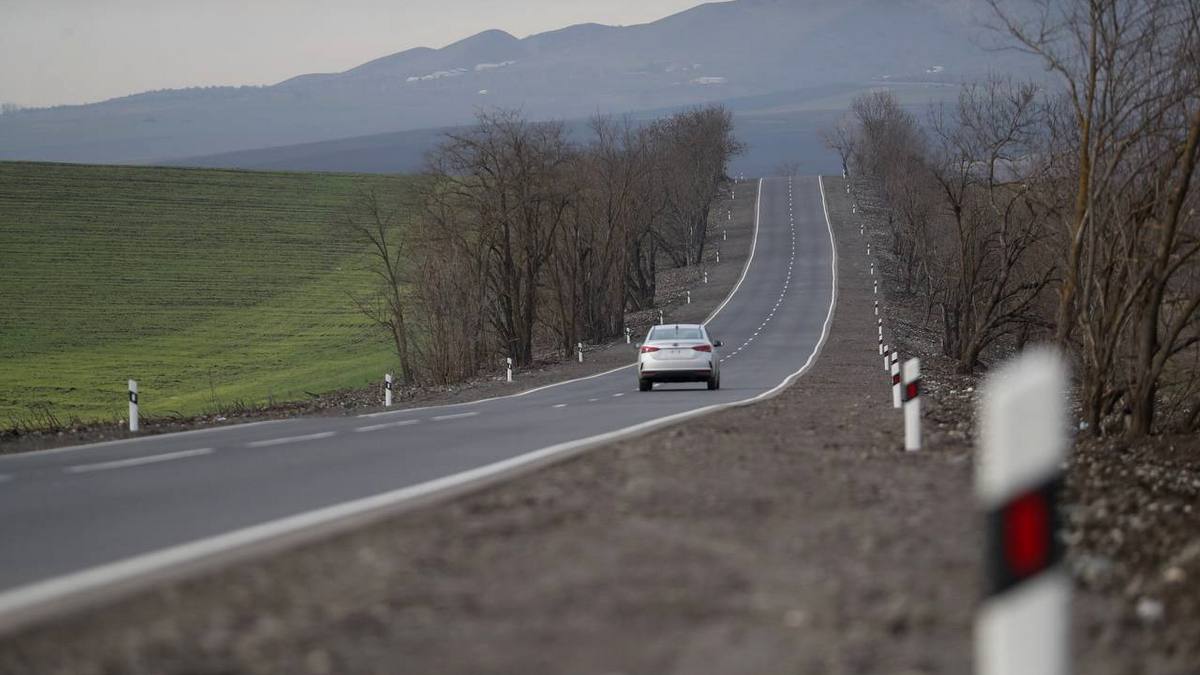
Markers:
(77, 519)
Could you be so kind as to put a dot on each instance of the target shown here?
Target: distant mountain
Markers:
(716, 51)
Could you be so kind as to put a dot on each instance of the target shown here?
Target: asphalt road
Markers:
(74, 518)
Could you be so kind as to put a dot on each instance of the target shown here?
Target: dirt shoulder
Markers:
(788, 536)
(731, 236)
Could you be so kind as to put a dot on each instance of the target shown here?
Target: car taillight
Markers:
(647, 350)
(703, 348)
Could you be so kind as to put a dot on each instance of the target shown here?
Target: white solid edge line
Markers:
(152, 437)
(290, 439)
(32, 595)
(387, 425)
(137, 461)
(745, 269)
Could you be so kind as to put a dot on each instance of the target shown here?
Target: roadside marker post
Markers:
(876, 288)
(881, 340)
(887, 357)
(508, 362)
(876, 308)
(1022, 626)
(689, 297)
(724, 235)
(388, 386)
(718, 255)
(579, 351)
(872, 269)
(706, 276)
(660, 317)
(869, 250)
(628, 340)
(912, 404)
(133, 406)
(896, 380)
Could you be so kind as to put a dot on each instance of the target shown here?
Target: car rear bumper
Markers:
(680, 375)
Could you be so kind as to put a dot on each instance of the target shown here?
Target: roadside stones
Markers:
(1150, 610)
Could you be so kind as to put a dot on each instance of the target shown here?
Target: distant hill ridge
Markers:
(715, 51)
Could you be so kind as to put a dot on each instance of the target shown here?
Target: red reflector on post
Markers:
(1027, 536)
(1021, 539)
(912, 390)
(896, 378)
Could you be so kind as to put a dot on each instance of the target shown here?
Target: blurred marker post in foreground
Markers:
(1022, 628)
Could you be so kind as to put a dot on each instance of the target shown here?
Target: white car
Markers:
(682, 352)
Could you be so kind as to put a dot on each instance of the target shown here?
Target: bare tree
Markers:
(382, 229)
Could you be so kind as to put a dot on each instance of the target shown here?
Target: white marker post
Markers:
(508, 363)
(660, 317)
(876, 308)
(911, 397)
(133, 405)
(1022, 627)
(718, 255)
(887, 358)
(876, 288)
(868, 249)
(706, 276)
(628, 339)
(579, 351)
(881, 340)
(896, 380)
(689, 297)
(388, 386)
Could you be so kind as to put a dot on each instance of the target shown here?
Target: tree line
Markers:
(1065, 213)
(520, 240)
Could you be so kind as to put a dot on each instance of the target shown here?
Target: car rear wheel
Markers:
(714, 383)
(644, 384)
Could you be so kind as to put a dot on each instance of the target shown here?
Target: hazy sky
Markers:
(75, 51)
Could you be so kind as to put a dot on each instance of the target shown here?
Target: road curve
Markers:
(75, 521)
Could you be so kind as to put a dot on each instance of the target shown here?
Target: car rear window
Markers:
(676, 333)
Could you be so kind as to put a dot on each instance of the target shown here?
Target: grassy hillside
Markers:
(207, 286)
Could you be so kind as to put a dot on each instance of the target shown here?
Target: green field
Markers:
(209, 287)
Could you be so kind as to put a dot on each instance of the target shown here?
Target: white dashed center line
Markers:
(290, 439)
(137, 461)
(387, 425)
(456, 416)
(559, 405)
